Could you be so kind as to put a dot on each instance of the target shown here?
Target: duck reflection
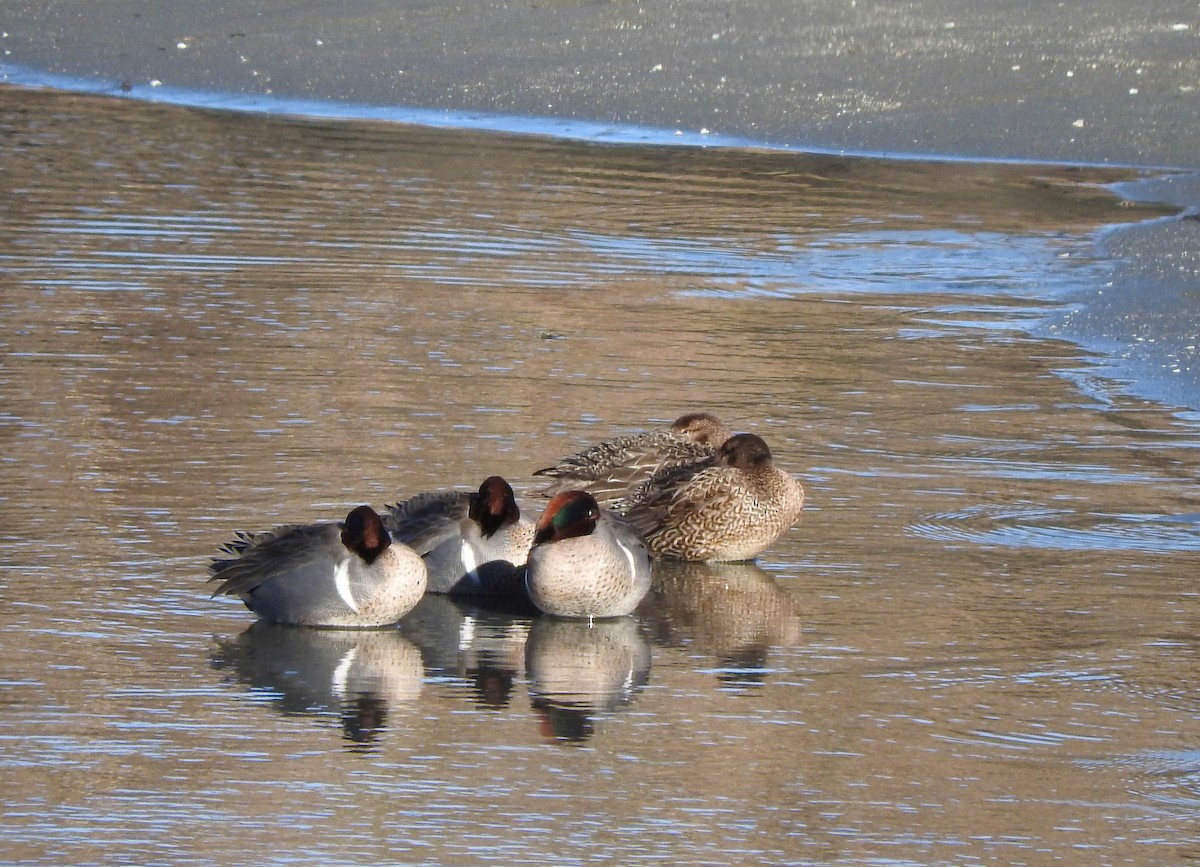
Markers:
(579, 669)
(480, 641)
(734, 612)
(357, 675)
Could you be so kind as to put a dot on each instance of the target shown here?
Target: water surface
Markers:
(977, 645)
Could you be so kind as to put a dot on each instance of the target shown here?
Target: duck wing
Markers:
(673, 495)
(427, 520)
(260, 557)
(615, 470)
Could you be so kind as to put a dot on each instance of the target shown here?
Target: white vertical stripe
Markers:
(629, 556)
(469, 561)
(341, 580)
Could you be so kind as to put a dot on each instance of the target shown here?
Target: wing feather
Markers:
(427, 520)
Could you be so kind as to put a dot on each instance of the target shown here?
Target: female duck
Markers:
(472, 543)
(610, 470)
(348, 574)
(585, 561)
(731, 509)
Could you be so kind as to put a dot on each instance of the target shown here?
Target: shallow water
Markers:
(977, 646)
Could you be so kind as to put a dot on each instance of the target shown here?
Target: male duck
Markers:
(586, 561)
(348, 574)
(731, 509)
(610, 470)
(472, 543)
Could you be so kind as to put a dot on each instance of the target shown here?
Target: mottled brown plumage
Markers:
(612, 469)
(730, 509)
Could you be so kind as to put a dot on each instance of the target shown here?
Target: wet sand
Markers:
(1096, 82)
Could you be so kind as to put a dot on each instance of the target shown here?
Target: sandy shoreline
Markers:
(1095, 82)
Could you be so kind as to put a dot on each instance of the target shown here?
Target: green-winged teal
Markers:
(472, 543)
(348, 574)
(586, 561)
(732, 508)
(610, 470)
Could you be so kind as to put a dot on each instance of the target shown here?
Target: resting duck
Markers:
(472, 543)
(610, 470)
(348, 574)
(733, 508)
(586, 561)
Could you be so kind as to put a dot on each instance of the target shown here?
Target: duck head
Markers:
(494, 506)
(745, 452)
(703, 428)
(567, 515)
(363, 533)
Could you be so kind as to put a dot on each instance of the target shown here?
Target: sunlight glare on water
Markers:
(975, 646)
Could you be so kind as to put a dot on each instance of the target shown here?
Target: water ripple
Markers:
(1016, 526)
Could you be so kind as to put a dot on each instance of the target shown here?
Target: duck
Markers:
(473, 543)
(728, 509)
(349, 574)
(586, 562)
(611, 469)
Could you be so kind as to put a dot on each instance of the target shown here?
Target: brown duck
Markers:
(732, 507)
(612, 469)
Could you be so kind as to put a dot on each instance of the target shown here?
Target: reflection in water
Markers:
(358, 675)
(476, 641)
(579, 670)
(734, 612)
